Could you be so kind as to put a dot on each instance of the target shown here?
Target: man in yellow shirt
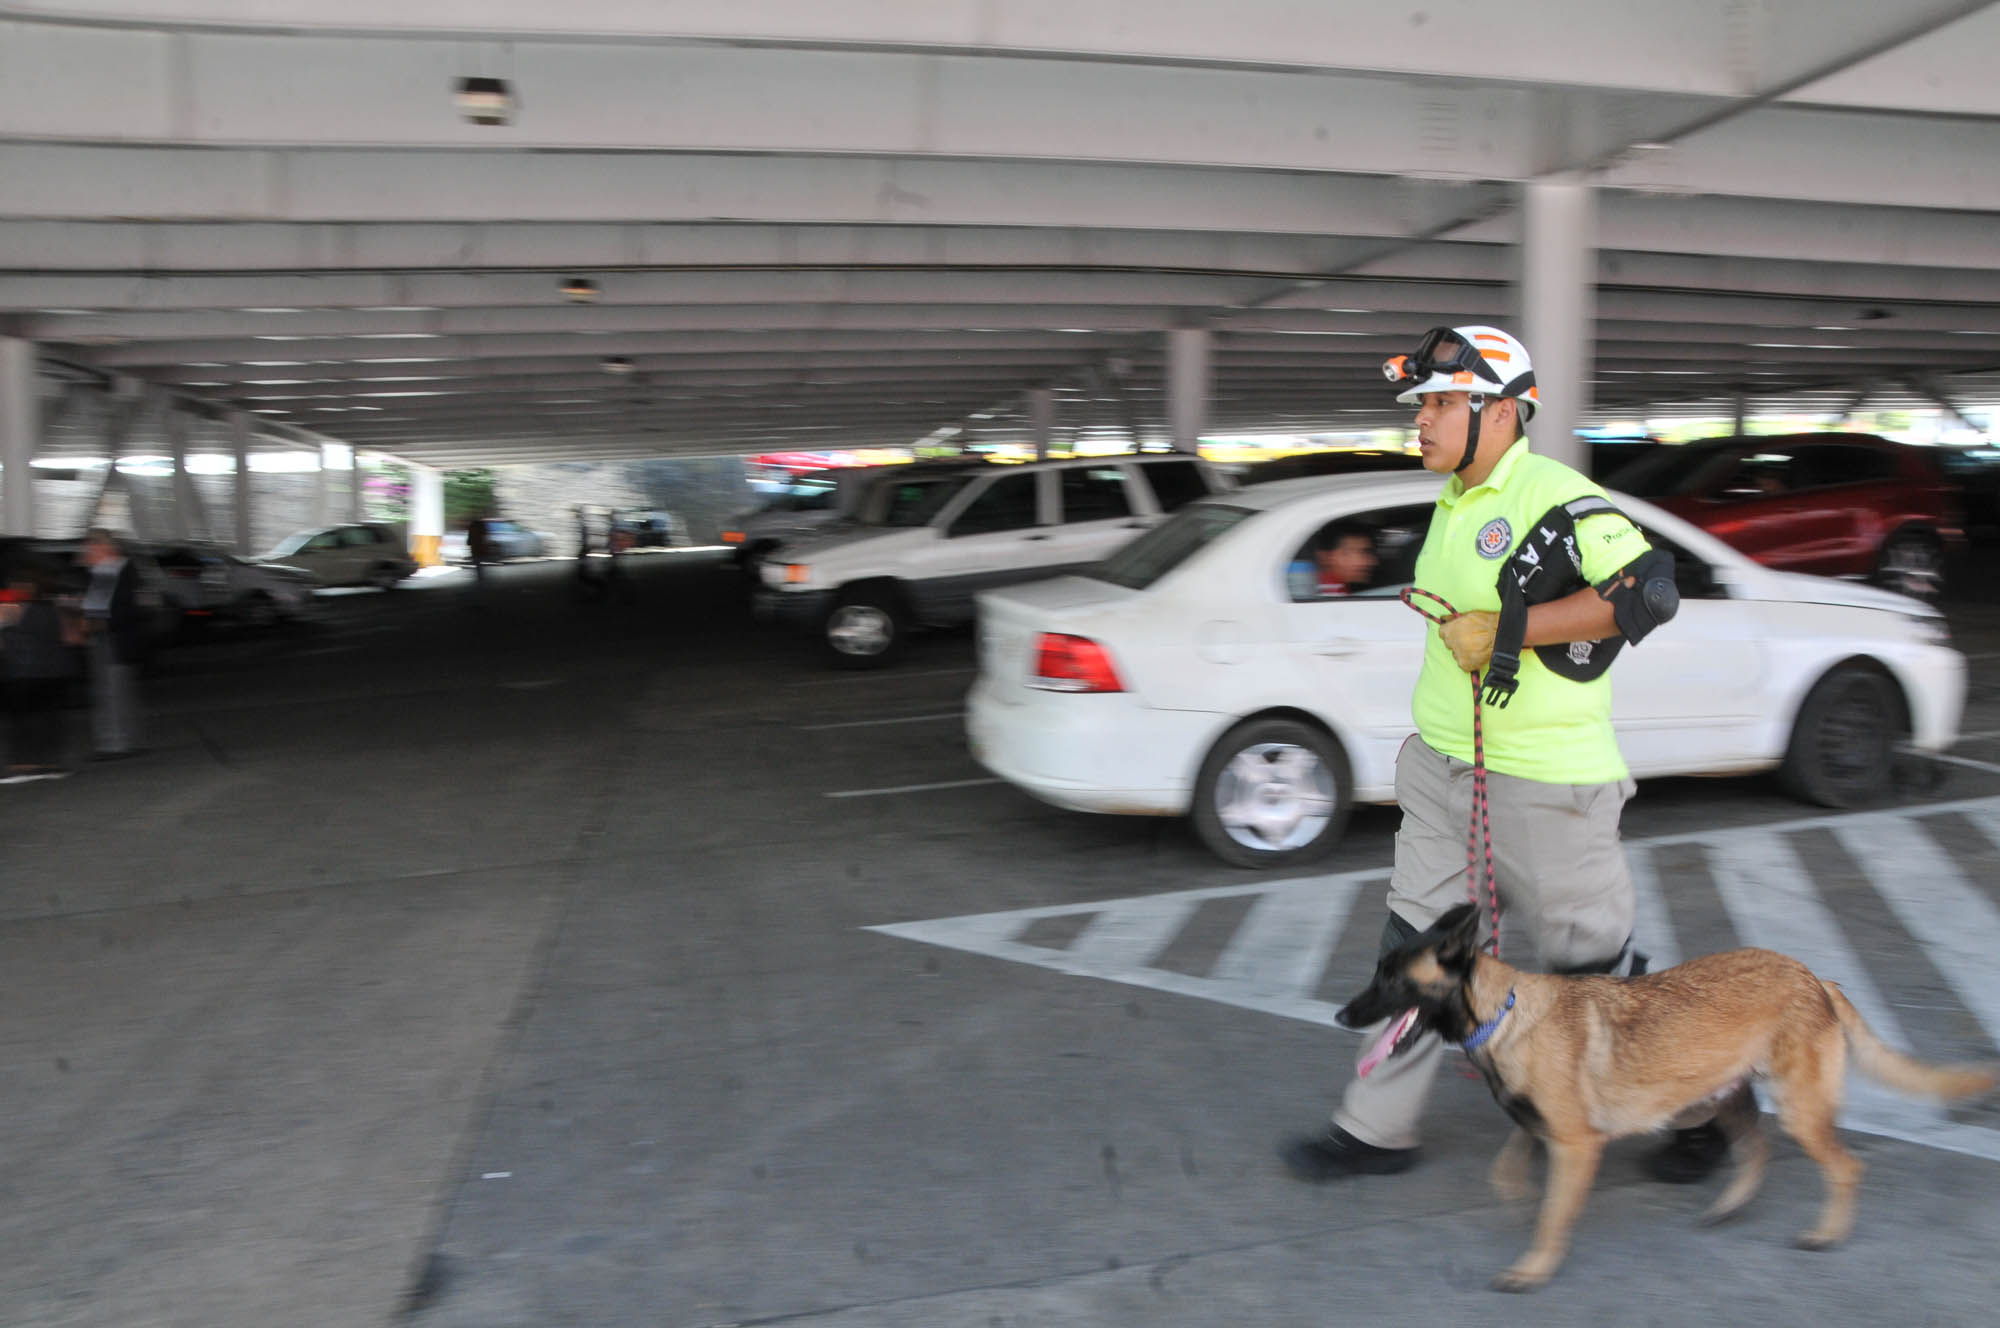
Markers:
(1549, 580)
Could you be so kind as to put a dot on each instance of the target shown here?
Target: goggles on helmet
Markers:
(1425, 362)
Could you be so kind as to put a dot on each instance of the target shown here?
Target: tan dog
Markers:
(1579, 1061)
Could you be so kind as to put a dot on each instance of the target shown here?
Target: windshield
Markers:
(1168, 545)
(913, 501)
(292, 543)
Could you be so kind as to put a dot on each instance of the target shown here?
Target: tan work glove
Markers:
(1469, 637)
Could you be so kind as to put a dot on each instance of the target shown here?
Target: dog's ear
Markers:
(1458, 936)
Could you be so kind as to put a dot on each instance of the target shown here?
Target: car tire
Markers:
(1844, 739)
(866, 628)
(1912, 563)
(1273, 792)
(383, 576)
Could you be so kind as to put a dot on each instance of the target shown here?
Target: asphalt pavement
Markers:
(483, 956)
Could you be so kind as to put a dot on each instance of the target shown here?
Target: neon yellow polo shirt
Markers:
(1553, 730)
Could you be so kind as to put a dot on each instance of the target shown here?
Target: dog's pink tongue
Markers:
(1387, 1042)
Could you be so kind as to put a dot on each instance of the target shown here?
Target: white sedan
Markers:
(1199, 672)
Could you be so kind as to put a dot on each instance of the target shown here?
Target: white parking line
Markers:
(912, 788)
(868, 723)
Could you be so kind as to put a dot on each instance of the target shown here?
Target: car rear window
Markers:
(1168, 545)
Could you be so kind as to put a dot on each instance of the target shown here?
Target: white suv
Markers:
(815, 502)
(928, 546)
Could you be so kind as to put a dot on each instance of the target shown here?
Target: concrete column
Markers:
(426, 515)
(1558, 303)
(1740, 407)
(1042, 418)
(20, 435)
(1187, 386)
(357, 505)
(183, 520)
(322, 499)
(239, 443)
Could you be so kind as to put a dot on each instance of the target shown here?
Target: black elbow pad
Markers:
(1642, 594)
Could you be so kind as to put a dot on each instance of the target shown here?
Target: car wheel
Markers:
(1272, 792)
(1844, 739)
(865, 629)
(1912, 563)
(384, 577)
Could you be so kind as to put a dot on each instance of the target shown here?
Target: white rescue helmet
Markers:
(1485, 362)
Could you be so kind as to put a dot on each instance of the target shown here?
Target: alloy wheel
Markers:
(1275, 796)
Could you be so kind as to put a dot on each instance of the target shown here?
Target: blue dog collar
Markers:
(1485, 1030)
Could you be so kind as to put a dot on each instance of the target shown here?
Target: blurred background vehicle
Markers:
(655, 529)
(815, 500)
(507, 539)
(1192, 674)
(933, 540)
(361, 554)
(1833, 504)
(203, 584)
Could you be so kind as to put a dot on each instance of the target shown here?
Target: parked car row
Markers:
(182, 586)
(1149, 642)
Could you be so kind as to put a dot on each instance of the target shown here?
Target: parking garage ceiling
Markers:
(814, 225)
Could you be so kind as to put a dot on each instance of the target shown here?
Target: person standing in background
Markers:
(117, 644)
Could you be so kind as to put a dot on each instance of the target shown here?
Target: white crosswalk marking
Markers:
(1133, 932)
(1118, 948)
(1931, 898)
(1275, 961)
(1775, 906)
(1282, 947)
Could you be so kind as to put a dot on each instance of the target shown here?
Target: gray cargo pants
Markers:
(1564, 891)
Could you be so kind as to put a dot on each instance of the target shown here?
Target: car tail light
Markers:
(732, 537)
(1073, 664)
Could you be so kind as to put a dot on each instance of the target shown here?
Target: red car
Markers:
(1834, 504)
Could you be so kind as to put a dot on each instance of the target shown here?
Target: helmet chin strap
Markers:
(1477, 401)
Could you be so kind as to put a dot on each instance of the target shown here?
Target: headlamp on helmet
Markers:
(1479, 360)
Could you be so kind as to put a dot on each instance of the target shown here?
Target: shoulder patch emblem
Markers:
(1495, 538)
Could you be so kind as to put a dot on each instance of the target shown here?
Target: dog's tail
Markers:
(1886, 1065)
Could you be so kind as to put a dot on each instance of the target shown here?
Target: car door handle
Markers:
(1034, 537)
(1337, 648)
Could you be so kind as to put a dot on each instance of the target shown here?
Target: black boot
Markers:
(1337, 1154)
(1690, 1155)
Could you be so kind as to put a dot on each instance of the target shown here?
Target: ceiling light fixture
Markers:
(485, 101)
(580, 290)
(616, 364)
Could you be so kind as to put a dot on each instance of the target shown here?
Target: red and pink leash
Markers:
(1480, 831)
